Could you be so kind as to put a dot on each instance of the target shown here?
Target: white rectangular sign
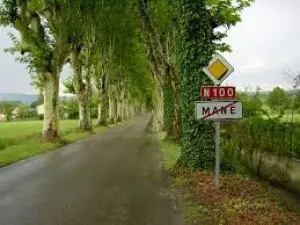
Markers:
(219, 110)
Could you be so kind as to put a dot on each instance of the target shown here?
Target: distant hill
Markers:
(18, 97)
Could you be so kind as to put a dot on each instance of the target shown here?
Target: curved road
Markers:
(113, 178)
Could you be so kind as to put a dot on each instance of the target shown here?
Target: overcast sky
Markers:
(264, 43)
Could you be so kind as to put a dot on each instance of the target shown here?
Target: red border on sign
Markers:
(213, 97)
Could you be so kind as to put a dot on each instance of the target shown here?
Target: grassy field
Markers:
(25, 128)
(287, 117)
(21, 140)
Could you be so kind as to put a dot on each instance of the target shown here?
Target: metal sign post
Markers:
(217, 149)
(218, 162)
(218, 70)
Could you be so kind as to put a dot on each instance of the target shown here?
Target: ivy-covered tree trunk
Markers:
(51, 107)
(197, 49)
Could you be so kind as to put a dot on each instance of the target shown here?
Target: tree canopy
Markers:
(128, 57)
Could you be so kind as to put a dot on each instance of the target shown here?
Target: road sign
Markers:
(218, 69)
(219, 110)
(217, 92)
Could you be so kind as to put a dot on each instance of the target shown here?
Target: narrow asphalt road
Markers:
(113, 178)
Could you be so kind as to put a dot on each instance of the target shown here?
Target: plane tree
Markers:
(43, 41)
(204, 24)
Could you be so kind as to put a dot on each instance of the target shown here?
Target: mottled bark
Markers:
(122, 100)
(158, 109)
(51, 107)
(105, 101)
(175, 83)
(119, 110)
(99, 114)
(98, 83)
(113, 112)
(83, 92)
(85, 122)
(126, 109)
(161, 67)
(122, 109)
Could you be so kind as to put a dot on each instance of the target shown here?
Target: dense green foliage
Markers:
(100, 40)
(197, 49)
(127, 56)
(24, 111)
(199, 42)
(253, 105)
(265, 143)
(278, 100)
(7, 108)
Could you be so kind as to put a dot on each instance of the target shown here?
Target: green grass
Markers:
(288, 117)
(171, 151)
(20, 140)
(26, 128)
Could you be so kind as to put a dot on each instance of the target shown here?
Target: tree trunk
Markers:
(51, 107)
(113, 111)
(105, 101)
(97, 81)
(175, 83)
(197, 48)
(99, 114)
(159, 108)
(122, 109)
(126, 109)
(122, 102)
(83, 92)
(110, 109)
(119, 110)
(85, 122)
(158, 55)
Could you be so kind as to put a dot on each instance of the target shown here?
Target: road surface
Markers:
(113, 178)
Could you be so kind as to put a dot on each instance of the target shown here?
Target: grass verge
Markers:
(239, 201)
(21, 140)
(170, 151)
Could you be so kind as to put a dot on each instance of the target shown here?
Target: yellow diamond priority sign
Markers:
(218, 69)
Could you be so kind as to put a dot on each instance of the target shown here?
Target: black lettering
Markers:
(232, 110)
(215, 110)
(223, 110)
(205, 111)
